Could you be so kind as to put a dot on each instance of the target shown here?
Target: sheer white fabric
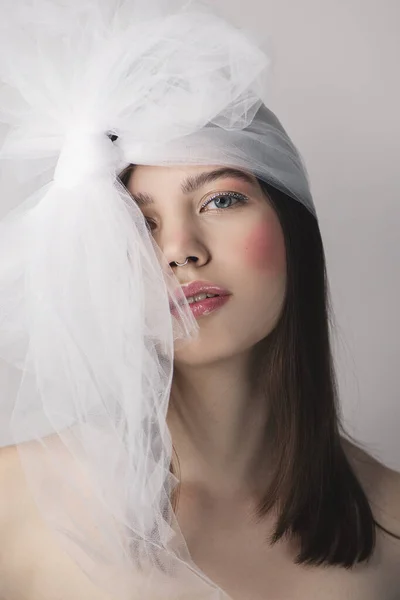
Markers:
(85, 324)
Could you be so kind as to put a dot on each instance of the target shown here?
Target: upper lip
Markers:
(203, 287)
(198, 287)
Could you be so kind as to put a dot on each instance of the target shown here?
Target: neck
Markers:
(216, 423)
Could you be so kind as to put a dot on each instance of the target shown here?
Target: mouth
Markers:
(201, 296)
(203, 307)
(204, 297)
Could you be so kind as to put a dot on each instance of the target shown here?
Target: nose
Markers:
(181, 239)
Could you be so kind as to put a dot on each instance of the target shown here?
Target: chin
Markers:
(199, 353)
(223, 337)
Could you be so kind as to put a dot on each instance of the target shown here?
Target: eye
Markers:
(229, 200)
(150, 223)
(226, 199)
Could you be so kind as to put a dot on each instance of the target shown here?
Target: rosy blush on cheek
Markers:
(263, 248)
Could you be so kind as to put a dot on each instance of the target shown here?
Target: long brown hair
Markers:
(322, 505)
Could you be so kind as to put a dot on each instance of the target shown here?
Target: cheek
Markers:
(263, 248)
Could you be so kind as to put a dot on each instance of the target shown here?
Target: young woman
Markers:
(274, 500)
(138, 461)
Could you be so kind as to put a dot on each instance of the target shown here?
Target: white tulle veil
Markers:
(86, 332)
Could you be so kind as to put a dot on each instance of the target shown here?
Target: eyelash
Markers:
(239, 197)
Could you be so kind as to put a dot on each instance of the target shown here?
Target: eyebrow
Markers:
(192, 183)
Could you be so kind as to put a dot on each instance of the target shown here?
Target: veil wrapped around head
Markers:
(86, 330)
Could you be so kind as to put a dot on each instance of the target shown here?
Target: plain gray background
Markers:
(335, 86)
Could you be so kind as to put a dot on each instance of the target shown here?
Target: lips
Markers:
(203, 287)
(204, 307)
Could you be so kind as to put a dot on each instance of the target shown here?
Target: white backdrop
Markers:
(335, 87)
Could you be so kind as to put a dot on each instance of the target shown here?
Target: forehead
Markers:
(147, 181)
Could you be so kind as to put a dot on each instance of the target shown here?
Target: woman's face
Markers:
(239, 246)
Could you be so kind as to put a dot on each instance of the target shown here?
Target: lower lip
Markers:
(205, 307)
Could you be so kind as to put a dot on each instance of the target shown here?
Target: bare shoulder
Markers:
(13, 490)
(32, 564)
(9, 462)
(381, 483)
(382, 487)
(15, 513)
